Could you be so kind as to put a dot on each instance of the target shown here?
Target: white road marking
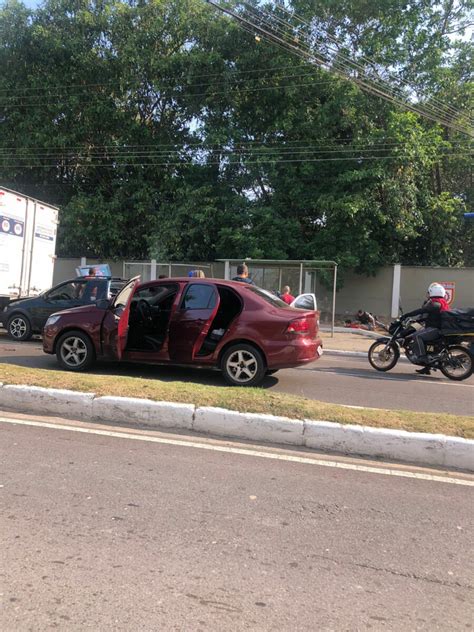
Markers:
(390, 378)
(242, 451)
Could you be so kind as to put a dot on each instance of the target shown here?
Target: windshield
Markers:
(267, 296)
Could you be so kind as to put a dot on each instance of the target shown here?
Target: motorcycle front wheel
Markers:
(383, 356)
(459, 365)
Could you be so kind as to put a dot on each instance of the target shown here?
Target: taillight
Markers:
(298, 326)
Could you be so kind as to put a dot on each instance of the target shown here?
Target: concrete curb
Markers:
(143, 412)
(398, 445)
(268, 428)
(356, 354)
(49, 401)
(350, 354)
(355, 332)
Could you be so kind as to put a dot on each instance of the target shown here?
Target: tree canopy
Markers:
(163, 129)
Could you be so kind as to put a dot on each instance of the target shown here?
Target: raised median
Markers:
(246, 400)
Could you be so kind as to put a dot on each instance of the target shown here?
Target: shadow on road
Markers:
(371, 374)
(207, 377)
(150, 372)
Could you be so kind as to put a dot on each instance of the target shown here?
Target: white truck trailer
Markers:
(28, 231)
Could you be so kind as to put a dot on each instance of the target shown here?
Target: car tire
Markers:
(75, 351)
(243, 365)
(19, 328)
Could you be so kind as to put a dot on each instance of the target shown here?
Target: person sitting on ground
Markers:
(353, 325)
(243, 274)
(366, 318)
(431, 311)
(286, 296)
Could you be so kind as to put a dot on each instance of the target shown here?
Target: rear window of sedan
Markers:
(267, 296)
(199, 296)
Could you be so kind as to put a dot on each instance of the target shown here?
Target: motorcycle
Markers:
(446, 353)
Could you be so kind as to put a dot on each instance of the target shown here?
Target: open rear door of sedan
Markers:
(190, 323)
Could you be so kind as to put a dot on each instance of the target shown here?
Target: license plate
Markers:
(320, 350)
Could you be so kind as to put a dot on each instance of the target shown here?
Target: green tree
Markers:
(163, 129)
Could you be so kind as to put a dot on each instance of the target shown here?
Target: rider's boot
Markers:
(424, 371)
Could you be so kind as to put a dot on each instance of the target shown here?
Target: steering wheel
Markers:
(144, 310)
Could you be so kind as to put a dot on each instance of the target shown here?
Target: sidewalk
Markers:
(347, 341)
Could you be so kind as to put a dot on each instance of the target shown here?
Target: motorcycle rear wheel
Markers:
(460, 366)
(383, 357)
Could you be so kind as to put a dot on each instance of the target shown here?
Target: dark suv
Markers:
(24, 317)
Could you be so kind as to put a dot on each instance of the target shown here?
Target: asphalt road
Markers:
(337, 379)
(106, 532)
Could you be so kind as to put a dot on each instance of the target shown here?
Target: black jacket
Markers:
(431, 311)
(243, 280)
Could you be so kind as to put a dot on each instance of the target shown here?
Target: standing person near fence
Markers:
(243, 275)
(286, 296)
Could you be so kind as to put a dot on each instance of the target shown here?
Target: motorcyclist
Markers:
(431, 312)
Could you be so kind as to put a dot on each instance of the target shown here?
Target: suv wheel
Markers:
(19, 328)
(243, 365)
(75, 351)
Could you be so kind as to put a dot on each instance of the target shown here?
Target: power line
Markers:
(348, 66)
(339, 68)
(448, 107)
(79, 99)
(121, 84)
(222, 163)
(162, 88)
(220, 151)
(348, 63)
(205, 145)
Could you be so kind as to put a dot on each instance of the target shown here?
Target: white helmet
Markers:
(436, 290)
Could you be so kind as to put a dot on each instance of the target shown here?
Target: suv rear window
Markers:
(267, 296)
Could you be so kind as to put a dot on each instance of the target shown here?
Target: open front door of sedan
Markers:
(190, 323)
(115, 323)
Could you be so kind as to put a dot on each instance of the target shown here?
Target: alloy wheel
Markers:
(73, 351)
(242, 365)
(18, 328)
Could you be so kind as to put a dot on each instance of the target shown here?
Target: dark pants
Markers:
(419, 339)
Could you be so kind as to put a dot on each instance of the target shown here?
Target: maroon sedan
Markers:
(243, 330)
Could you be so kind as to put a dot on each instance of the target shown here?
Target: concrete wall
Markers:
(373, 294)
(415, 281)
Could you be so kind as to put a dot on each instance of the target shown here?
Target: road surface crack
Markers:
(391, 571)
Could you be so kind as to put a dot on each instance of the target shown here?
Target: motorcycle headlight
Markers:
(52, 319)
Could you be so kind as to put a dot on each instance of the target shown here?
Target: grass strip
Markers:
(255, 400)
